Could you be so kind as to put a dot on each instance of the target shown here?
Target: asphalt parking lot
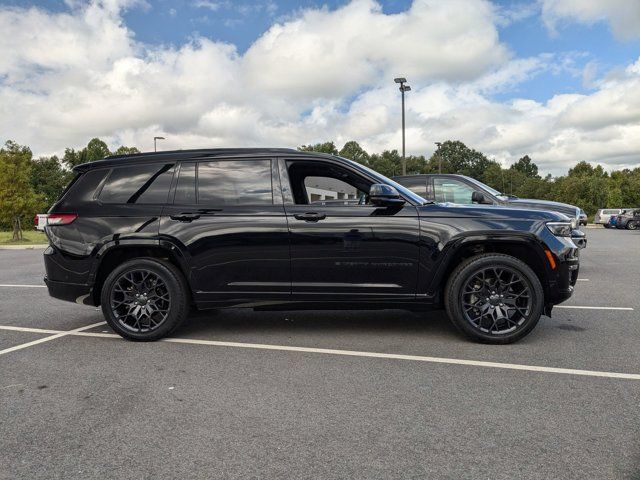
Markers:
(390, 394)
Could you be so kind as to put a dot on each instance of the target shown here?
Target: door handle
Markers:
(310, 216)
(185, 217)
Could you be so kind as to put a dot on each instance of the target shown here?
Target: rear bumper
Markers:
(70, 292)
(66, 277)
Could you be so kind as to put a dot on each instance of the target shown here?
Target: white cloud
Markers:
(623, 15)
(208, 4)
(319, 75)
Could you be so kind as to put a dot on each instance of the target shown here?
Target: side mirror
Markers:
(383, 195)
(478, 197)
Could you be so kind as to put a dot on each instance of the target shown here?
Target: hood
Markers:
(569, 210)
(490, 212)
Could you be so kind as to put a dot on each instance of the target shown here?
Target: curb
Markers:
(24, 247)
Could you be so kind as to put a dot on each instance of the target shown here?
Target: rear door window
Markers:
(138, 184)
(418, 185)
(235, 182)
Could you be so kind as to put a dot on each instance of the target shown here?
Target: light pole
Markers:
(403, 88)
(155, 139)
(439, 144)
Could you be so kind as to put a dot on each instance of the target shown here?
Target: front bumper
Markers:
(563, 281)
(579, 238)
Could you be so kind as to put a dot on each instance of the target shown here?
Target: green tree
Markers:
(48, 179)
(122, 150)
(388, 163)
(326, 147)
(526, 167)
(96, 150)
(456, 157)
(352, 150)
(17, 198)
(72, 157)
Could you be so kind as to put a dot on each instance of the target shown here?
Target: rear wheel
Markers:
(632, 225)
(606, 225)
(145, 299)
(494, 298)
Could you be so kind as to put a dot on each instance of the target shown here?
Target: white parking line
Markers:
(48, 339)
(347, 353)
(584, 280)
(28, 329)
(584, 307)
(22, 286)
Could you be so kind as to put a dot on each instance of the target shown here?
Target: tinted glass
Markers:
(186, 189)
(138, 184)
(235, 182)
(84, 188)
(418, 185)
(454, 191)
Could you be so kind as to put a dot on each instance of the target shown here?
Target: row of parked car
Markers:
(623, 218)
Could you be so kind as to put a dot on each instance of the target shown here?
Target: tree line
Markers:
(31, 185)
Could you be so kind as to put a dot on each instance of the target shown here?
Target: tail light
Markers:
(54, 219)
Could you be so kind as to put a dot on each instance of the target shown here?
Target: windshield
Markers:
(382, 179)
(487, 188)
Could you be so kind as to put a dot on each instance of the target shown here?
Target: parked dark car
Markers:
(460, 189)
(583, 219)
(629, 219)
(146, 236)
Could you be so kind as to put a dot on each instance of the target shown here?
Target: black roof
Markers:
(174, 155)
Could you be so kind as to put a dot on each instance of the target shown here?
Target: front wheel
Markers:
(494, 298)
(632, 225)
(145, 299)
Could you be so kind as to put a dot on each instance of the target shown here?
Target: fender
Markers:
(101, 251)
(494, 238)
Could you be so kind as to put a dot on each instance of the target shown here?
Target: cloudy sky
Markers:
(556, 79)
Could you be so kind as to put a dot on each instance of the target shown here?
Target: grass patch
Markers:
(31, 237)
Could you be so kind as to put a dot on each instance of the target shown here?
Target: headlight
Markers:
(560, 229)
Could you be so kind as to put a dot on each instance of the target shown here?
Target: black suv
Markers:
(147, 236)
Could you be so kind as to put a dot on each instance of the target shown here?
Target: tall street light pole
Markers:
(403, 88)
(439, 144)
(155, 146)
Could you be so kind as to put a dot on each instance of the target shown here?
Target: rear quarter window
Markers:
(84, 186)
(138, 184)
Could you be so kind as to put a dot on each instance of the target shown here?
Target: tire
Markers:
(145, 299)
(466, 285)
(632, 225)
(606, 225)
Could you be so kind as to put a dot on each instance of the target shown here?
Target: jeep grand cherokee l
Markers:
(147, 236)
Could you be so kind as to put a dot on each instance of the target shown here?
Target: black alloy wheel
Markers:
(140, 300)
(494, 298)
(145, 299)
